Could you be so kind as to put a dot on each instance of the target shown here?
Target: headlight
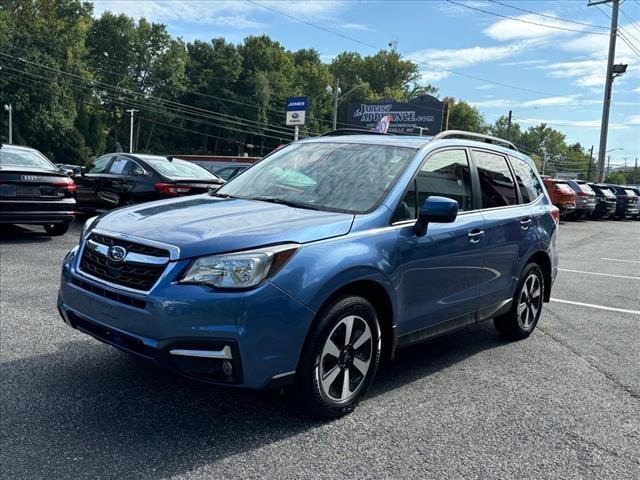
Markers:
(239, 270)
(86, 228)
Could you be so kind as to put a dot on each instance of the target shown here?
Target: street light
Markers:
(9, 109)
(619, 69)
(338, 97)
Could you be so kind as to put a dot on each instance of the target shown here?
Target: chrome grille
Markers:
(140, 269)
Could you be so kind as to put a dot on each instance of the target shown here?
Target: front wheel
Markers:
(340, 358)
(56, 229)
(526, 308)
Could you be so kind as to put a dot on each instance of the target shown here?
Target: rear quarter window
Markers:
(527, 180)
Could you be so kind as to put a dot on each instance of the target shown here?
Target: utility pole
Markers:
(544, 159)
(509, 126)
(608, 166)
(604, 126)
(635, 172)
(336, 94)
(131, 111)
(590, 164)
(9, 108)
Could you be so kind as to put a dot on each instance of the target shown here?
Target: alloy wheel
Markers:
(530, 301)
(345, 359)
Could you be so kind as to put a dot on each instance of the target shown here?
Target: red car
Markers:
(562, 195)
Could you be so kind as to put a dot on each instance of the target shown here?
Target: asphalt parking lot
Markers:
(564, 403)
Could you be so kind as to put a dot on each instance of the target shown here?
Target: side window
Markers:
(444, 174)
(126, 167)
(99, 165)
(496, 183)
(120, 166)
(530, 187)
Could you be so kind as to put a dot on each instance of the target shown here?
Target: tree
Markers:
(463, 116)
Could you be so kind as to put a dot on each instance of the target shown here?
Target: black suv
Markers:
(626, 201)
(605, 201)
(118, 179)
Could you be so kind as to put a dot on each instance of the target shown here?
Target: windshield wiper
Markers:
(288, 203)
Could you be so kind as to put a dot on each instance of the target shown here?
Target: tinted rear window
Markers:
(17, 157)
(178, 169)
(585, 188)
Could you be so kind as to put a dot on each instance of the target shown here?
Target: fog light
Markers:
(227, 368)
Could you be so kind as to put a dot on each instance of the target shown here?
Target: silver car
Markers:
(585, 198)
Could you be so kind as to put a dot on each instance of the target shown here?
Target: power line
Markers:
(434, 67)
(158, 110)
(549, 16)
(319, 27)
(470, 7)
(633, 22)
(124, 92)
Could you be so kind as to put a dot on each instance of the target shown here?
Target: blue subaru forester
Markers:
(327, 255)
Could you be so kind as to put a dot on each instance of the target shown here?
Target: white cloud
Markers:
(523, 63)
(539, 102)
(355, 26)
(595, 124)
(509, 29)
(634, 119)
(240, 15)
(433, 62)
(486, 86)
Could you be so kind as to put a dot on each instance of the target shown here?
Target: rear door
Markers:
(87, 184)
(506, 224)
(440, 272)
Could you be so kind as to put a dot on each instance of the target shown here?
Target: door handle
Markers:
(475, 235)
(525, 223)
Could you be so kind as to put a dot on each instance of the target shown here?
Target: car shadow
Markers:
(14, 234)
(89, 411)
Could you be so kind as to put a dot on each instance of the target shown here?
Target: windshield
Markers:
(178, 169)
(18, 157)
(327, 176)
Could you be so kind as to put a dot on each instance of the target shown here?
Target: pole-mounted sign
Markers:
(296, 112)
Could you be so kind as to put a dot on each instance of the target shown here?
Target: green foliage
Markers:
(196, 97)
(463, 116)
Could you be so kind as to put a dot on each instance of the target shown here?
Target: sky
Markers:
(493, 54)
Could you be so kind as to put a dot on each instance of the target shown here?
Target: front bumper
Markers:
(259, 332)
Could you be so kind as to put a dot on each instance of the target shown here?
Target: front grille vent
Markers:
(140, 271)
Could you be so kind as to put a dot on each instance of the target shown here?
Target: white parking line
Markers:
(598, 273)
(618, 260)
(600, 307)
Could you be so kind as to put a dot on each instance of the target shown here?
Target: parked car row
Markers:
(580, 199)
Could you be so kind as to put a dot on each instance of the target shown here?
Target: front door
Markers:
(440, 272)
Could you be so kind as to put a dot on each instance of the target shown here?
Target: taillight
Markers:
(172, 189)
(555, 214)
(582, 194)
(68, 184)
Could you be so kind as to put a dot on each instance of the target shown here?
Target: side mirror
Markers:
(435, 210)
(77, 170)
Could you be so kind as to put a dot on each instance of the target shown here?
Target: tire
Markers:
(519, 322)
(329, 356)
(56, 229)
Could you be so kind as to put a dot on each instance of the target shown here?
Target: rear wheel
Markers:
(340, 358)
(526, 307)
(56, 229)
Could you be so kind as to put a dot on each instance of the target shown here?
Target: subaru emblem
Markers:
(116, 253)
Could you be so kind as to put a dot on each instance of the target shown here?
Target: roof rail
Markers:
(350, 131)
(486, 138)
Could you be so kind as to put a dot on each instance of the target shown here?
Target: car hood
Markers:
(204, 225)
